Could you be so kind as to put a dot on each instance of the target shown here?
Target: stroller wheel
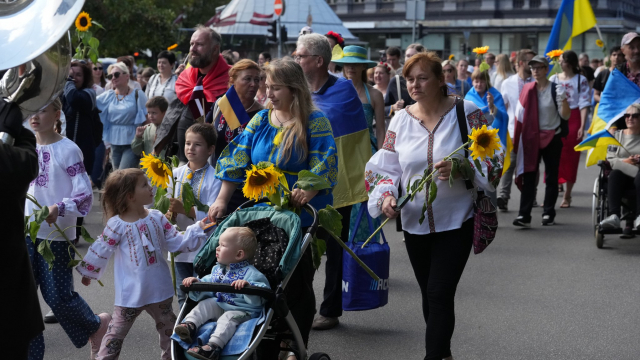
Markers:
(599, 239)
(319, 356)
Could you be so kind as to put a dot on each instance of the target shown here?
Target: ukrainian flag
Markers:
(231, 107)
(599, 143)
(574, 17)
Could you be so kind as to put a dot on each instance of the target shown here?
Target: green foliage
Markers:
(188, 199)
(73, 263)
(478, 166)
(201, 207)
(41, 215)
(45, 250)
(85, 235)
(465, 170)
(433, 192)
(424, 210)
(310, 181)
(34, 227)
(318, 248)
(175, 161)
(330, 219)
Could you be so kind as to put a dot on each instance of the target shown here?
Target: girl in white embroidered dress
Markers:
(137, 237)
(423, 134)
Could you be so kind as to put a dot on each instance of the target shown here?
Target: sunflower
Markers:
(157, 171)
(599, 43)
(555, 54)
(485, 142)
(452, 57)
(260, 182)
(172, 47)
(83, 22)
(481, 50)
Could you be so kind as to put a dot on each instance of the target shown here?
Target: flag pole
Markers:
(599, 33)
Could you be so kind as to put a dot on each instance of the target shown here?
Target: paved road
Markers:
(544, 293)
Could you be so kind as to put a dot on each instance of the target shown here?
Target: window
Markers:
(518, 4)
(534, 4)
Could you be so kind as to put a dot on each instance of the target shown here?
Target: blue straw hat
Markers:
(351, 54)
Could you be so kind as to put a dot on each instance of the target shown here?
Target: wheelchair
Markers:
(600, 207)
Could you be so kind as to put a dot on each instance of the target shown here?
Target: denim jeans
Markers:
(122, 157)
(183, 271)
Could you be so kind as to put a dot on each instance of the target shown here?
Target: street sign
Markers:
(415, 9)
(278, 7)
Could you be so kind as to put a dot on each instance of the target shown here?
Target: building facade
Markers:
(456, 27)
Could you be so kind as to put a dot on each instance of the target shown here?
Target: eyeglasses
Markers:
(447, 70)
(97, 68)
(537, 68)
(297, 58)
(635, 116)
(114, 75)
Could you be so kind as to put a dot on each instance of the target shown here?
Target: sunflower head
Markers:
(485, 142)
(599, 43)
(452, 57)
(261, 181)
(481, 50)
(157, 170)
(555, 54)
(83, 22)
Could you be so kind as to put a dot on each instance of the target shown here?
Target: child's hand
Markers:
(140, 131)
(53, 214)
(239, 284)
(176, 206)
(190, 280)
(86, 281)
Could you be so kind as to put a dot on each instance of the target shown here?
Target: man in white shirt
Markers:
(490, 58)
(510, 90)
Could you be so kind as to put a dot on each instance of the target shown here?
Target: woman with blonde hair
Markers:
(456, 87)
(293, 135)
(503, 71)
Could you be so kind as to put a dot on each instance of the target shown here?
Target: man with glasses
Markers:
(339, 101)
(541, 115)
(510, 90)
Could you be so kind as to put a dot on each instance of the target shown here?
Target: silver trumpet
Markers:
(35, 51)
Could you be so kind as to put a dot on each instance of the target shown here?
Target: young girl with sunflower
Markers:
(420, 137)
(295, 136)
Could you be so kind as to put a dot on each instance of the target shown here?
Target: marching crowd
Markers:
(325, 108)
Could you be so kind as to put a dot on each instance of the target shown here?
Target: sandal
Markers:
(186, 332)
(199, 352)
(566, 203)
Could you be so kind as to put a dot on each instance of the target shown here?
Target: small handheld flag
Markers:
(231, 107)
(599, 143)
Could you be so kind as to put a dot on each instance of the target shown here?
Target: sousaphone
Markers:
(35, 48)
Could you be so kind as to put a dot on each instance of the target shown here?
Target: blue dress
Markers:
(364, 231)
(255, 144)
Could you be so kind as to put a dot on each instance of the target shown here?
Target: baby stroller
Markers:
(600, 206)
(278, 324)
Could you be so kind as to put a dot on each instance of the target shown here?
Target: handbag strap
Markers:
(464, 134)
(361, 213)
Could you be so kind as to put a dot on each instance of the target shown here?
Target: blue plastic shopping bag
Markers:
(359, 290)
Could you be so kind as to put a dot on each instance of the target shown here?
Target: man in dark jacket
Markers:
(18, 167)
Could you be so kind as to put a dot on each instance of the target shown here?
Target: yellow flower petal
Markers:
(157, 171)
(260, 182)
(485, 142)
(83, 22)
(599, 43)
(555, 54)
(481, 50)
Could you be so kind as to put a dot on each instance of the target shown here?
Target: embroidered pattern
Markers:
(382, 197)
(371, 180)
(320, 125)
(133, 254)
(75, 169)
(43, 161)
(83, 203)
(90, 268)
(241, 158)
(62, 209)
(390, 141)
(476, 119)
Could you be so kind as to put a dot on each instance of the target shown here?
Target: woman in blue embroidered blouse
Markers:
(295, 136)
(122, 110)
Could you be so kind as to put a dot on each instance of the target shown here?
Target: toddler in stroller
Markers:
(236, 246)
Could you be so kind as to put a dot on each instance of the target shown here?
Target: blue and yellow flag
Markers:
(599, 143)
(574, 17)
(231, 107)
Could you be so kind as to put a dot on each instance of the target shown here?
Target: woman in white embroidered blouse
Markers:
(579, 97)
(439, 248)
(163, 83)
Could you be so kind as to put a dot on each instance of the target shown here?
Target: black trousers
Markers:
(551, 157)
(438, 261)
(332, 304)
(619, 185)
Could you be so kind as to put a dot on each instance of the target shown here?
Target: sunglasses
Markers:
(114, 75)
(97, 68)
(448, 70)
(633, 116)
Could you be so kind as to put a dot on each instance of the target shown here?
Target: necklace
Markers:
(282, 122)
(155, 85)
(247, 109)
(123, 96)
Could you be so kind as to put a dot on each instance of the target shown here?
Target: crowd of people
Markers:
(345, 118)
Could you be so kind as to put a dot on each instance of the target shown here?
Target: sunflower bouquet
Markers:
(160, 173)
(31, 229)
(266, 180)
(483, 144)
(87, 44)
(554, 55)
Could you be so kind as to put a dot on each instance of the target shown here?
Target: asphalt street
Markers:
(540, 293)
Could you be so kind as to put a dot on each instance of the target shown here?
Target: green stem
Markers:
(420, 184)
(173, 254)
(33, 199)
(353, 255)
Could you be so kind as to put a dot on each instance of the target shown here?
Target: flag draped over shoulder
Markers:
(526, 140)
(214, 83)
(501, 119)
(618, 94)
(342, 106)
(231, 107)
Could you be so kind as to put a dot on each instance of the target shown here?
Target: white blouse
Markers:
(581, 99)
(205, 188)
(408, 149)
(62, 180)
(141, 275)
(155, 87)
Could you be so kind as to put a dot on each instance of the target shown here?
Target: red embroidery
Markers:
(382, 197)
(390, 141)
(476, 119)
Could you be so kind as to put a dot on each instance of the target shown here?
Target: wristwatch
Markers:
(5, 138)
